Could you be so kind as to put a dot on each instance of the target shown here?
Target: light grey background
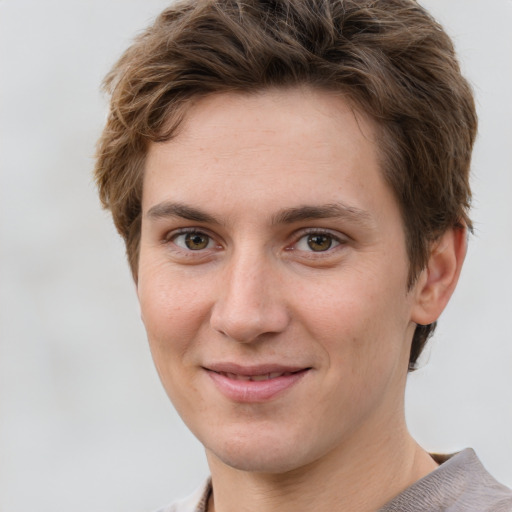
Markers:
(84, 423)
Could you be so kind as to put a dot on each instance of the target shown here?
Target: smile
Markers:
(256, 384)
(255, 378)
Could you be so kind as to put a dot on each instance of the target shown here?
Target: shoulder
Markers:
(196, 502)
(472, 487)
(461, 484)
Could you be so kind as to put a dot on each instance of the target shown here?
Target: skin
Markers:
(255, 289)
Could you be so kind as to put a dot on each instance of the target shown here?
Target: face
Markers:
(273, 279)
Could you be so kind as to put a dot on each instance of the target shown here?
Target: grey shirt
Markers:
(461, 484)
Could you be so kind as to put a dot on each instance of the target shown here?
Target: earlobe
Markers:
(439, 279)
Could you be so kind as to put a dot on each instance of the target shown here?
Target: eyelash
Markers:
(338, 240)
(171, 238)
(303, 234)
(320, 232)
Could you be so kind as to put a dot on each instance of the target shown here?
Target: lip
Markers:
(236, 382)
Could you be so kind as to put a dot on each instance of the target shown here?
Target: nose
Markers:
(251, 301)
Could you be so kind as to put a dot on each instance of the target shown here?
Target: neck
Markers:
(360, 479)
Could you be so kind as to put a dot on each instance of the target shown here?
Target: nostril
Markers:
(247, 326)
(247, 307)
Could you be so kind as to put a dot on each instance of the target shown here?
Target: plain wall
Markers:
(84, 423)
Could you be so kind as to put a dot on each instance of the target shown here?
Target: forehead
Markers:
(277, 148)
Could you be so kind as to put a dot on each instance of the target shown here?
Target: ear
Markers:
(437, 281)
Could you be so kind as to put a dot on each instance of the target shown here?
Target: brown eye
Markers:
(196, 241)
(318, 242)
(193, 241)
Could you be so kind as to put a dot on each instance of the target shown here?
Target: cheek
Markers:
(361, 323)
(172, 311)
(364, 337)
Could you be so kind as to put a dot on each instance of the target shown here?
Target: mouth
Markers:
(256, 378)
(256, 383)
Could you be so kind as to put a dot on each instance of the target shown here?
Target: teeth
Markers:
(260, 377)
(235, 376)
(256, 378)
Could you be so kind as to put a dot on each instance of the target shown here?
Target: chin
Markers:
(269, 463)
(260, 454)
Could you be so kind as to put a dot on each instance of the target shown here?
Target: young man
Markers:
(291, 182)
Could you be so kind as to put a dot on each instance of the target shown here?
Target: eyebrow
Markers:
(327, 211)
(287, 216)
(179, 210)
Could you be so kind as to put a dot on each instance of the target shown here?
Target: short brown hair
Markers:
(389, 58)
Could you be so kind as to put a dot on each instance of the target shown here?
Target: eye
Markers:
(193, 241)
(317, 242)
